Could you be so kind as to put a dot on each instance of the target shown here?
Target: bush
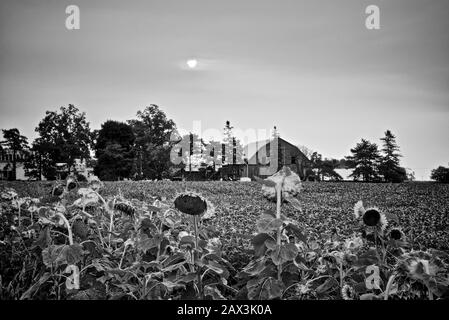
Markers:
(440, 174)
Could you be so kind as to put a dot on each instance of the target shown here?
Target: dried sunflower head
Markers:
(291, 184)
(353, 244)
(347, 292)
(9, 194)
(125, 208)
(191, 203)
(57, 190)
(71, 183)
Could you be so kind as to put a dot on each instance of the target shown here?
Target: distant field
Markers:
(422, 208)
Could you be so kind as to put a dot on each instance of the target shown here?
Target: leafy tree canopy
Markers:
(63, 137)
(389, 166)
(15, 142)
(114, 149)
(152, 146)
(440, 174)
(366, 157)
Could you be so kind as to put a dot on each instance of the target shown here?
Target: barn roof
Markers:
(251, 148)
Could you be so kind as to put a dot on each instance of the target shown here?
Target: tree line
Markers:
(141, 149)
(367, 162)
(135, 149)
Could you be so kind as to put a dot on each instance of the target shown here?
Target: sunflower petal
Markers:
(359, 210)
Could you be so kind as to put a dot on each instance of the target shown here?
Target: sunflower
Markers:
(125, 207)
(57, 190)
(71, 183)
(353, 244)
(418, 265)
(371, 217)
(95, 183)
(191, 203)
(347, 292)
(396, 234)
(291, 184)
(9, 194)
(420, 268)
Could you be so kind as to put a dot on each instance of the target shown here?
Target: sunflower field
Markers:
(271, 239)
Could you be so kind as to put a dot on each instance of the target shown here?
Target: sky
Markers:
(310, 68)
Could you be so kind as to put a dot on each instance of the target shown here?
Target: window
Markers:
(293, 160)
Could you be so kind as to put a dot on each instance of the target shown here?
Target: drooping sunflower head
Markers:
(353, 244)
(291, 184)
(9, 194)
(359, 210)
(191, 203)
(95, 183)
(57, 190)
(419, 268)
(125, 207)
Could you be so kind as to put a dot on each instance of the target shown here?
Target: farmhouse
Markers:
(259, 157)
(6, 165)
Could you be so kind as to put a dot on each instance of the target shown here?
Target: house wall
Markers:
(5, 174)
(289, 156)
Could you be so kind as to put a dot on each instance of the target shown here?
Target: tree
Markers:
(366, 158)
(410, 175)
(328, 167)
(323, 168)
(440, 174)
(190, 149)
(15, 142)
(231, 143)
(153, 143)
(33, 167)
(114, 150)
(317, 162)
(389, 165)
(306, 151)
(63, 137)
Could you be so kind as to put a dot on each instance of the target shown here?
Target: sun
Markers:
(192, 63)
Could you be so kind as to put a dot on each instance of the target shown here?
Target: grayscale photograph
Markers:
(258, 152)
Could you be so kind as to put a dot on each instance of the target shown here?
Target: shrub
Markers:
(440, 174)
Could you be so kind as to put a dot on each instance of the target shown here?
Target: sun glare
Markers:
(192, 64)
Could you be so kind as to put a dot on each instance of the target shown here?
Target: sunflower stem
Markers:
(19, 213)
(278, 216)
(341, 273)
(67, 225)
(195, 257)
(375, 237)
(389, 284)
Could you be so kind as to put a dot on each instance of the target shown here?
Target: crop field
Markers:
(141, 248)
